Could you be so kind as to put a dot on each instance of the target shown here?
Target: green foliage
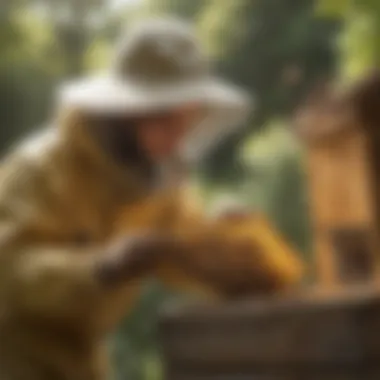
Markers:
(26, 78)
(359, 42)
(277, 50)
(184, 9)
(221, 26)
(136, 352)
(38, 48)
(279, 189)
(333, 9)
(356, 55)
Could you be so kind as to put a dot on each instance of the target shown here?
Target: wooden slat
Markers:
(305, 334)
(339, 182)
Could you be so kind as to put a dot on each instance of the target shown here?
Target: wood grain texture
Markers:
(310, 336)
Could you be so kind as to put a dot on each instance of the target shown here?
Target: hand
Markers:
(231, 209)
(235, 214)
(133, 256)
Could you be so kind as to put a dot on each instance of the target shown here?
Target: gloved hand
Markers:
(133, 256)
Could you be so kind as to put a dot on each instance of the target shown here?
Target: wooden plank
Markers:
(339, 182)
(336, 334)
(313, 375)
(341, 198)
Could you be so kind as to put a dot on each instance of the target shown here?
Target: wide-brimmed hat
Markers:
(158, 65)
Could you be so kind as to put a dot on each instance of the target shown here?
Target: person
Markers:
(97, 203)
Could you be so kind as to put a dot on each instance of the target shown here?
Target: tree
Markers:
(186, 9)
(26, 76)
(42, 42)
(359, 40)
(275, 49)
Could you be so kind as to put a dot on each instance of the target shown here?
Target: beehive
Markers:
(343, 174)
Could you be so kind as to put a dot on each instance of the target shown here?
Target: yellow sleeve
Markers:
(52, 280)
(63, 280)
(211, 257)
(229, 258)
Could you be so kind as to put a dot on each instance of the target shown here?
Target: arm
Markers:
(231, 259)
(234, 256)
(71, 281)
(63, 280)
(42, 268)
(54, 280)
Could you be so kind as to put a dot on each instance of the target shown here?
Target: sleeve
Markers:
(229, 258)
(41, 270)
(53, 280)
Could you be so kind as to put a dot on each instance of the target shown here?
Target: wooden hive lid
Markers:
(364, 98)
(323, 117)
(330, 113)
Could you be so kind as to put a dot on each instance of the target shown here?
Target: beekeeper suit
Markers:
(86, 215)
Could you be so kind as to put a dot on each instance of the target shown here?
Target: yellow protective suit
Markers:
(62, 202)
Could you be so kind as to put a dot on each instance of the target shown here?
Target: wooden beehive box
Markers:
(342, 174)
(310, 337)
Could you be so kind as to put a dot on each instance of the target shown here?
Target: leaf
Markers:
(332, 8)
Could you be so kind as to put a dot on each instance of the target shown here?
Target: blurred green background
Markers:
(277, 49)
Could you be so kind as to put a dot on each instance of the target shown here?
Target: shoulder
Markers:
(35, 147)
(25, 172)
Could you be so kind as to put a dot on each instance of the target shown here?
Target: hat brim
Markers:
(228, 105)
